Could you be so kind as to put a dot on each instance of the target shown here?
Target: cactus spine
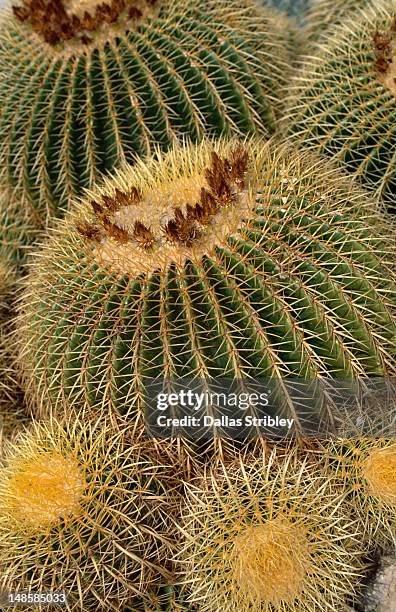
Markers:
(83, 93)
(221, 259)
(76, 505)
(267, 534)
(343, 101)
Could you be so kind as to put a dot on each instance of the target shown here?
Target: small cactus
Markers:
(267, 534)
(83, 92)
(366, 468)
(343, 102)
(223, 259)
(84, 511)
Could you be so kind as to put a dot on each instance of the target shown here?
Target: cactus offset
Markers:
(85, 91)
(343, 102)
(77, 514)
(267, 534)
(223, 259)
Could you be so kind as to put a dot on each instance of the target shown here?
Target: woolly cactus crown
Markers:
(343, 103)
(225, 259)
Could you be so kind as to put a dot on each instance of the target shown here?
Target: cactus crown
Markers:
(271, 561)
(170, 220)
(57, 21)
(379, 471)
(42, 488)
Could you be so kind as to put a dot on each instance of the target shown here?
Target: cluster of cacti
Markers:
(342, 103)
(83, 92)
(221, 260)
(158, 149)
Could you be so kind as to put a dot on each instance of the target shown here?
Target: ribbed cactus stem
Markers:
(97, 85)
(367, 466)
(267, 534)
(342, 102)
(85, 508)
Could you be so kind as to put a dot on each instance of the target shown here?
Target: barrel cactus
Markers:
(343, 101)
(224, 259)
(366, 468)
(268, 534)
(84, 512)
(88, 86)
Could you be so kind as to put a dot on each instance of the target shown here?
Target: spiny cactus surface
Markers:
(267, 534)
(366, 467)
(225, 259)
(84, 512)
(343, 102)
(323, 15)
(87, 86)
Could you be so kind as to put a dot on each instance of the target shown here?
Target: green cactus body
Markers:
(73, 109)
(343, 101)
(276, 267)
